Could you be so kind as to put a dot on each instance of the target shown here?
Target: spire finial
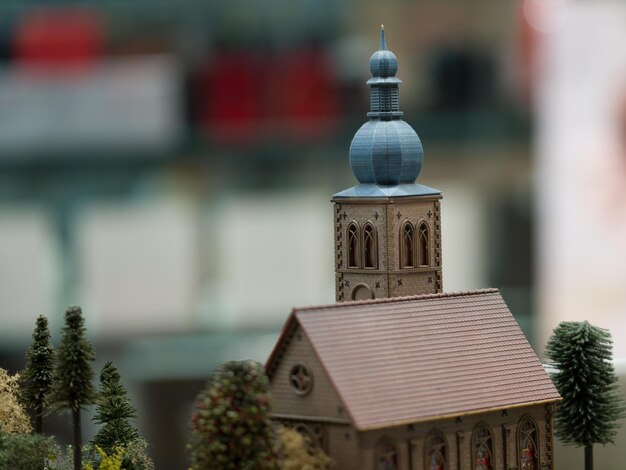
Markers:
(383, 43)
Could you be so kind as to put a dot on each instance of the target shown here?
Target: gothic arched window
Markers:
(370, 246)
(436, 452)
(386, 455)
(482, 448)
(424, 244)
(528, 449)
(407, 245)
(353, 245)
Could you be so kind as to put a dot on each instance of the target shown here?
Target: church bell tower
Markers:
(388, 227)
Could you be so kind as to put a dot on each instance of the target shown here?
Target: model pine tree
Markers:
(13, 417)
(36, 379)
(231, 428)
(585, 378)
(114, 412)
(72, 387)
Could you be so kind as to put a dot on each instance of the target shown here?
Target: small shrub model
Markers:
(107, 462)
(13, 418)
(298, 453)
(231, 428)
(28, 452)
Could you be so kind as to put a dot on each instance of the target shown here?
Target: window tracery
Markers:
(436, 452)
(482, 448)
(353, 245)
(424, 244)
(407, 244)
(312, 435)
(370, 246)
(527, 444)
(301, 379)
(386, 456)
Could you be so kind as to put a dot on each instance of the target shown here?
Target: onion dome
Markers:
(385, 150)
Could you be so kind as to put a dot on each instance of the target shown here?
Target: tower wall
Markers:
(388, 278)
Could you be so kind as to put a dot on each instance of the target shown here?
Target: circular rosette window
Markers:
(301, 379)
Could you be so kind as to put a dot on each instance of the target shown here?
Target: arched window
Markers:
(353, 245)
(482, 448)
(436, 452)
(528, 449)
(370, 246)
(386, 455)
(424, 244)
(407, 244)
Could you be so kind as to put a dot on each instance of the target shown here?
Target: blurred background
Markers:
(164, 162)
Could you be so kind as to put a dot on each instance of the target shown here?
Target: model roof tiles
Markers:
(407, 359)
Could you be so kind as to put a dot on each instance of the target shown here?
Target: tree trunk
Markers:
(588, 457)
(77, 440)
(39, 419)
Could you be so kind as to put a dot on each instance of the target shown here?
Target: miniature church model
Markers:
(397, 374)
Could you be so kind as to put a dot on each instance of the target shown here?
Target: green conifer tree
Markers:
(231, 428)
(114, 412)
(585, 378)
(36, 379)
(72, 387)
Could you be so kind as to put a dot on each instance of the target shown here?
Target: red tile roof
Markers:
(406, 359)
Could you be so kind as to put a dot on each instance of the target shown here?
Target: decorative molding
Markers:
(282, 348)
(460, 442)
(310, 419)
(436, 243)
(549, 461)
(339, 216)
(508, 445)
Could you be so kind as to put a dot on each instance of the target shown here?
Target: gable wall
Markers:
(322, 402)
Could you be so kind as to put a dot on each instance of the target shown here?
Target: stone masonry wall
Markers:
(388, 216)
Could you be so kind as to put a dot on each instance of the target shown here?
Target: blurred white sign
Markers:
(131, 103)
(275, 253)
(29, 271)
(138, 266)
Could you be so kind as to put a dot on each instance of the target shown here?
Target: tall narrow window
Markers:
(407, 244)
(386, 455)
(527, 444)
(436, 452)
(353, 246)
(482, 448)
(424, 244)
(370, 246)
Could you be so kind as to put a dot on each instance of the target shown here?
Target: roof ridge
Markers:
(405, 298)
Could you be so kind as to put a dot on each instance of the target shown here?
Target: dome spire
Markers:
(386, 150)
(383, 43)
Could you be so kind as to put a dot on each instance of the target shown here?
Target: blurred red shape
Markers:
(59, 37)
(228, 93)
(303, 93)
(242, 97)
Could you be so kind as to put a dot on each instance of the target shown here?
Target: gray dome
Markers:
(385, 150)
(383, 63)
(386, 153)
